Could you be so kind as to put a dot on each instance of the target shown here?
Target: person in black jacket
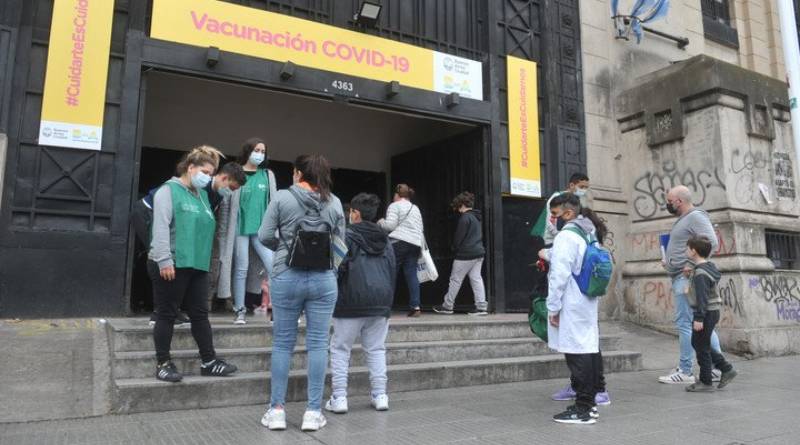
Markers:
(469, 251)
(366, 291)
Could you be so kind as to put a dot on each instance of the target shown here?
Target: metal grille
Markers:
(783, 248)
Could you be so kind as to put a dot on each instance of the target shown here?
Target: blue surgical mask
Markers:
(225, 192)
(257, 158)
(580, 193)
(200, 180)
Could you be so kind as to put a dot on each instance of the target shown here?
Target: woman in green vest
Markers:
(180, 257)
(242, 257)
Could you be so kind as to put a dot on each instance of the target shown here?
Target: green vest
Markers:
(194, 228)
(253, 200)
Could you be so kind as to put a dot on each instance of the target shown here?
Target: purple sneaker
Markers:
(565, 394)
(602, 399)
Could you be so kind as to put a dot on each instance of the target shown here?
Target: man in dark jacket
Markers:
(366, 291)
(469, 252)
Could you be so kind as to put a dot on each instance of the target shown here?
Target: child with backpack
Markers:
(706, 303)
(366, 291)
(579, 272)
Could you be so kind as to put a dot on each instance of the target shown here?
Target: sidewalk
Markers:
(760, 407)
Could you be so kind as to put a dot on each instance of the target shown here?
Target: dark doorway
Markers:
(438, 172)
(520, 250)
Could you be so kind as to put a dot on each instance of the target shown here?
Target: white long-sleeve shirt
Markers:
(403, 222)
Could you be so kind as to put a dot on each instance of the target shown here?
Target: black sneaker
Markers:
(442, 310)
(700, 387)
(594, 413)
(726, 378)
(477, 312)
(168, 372)
(218, 368)
(572, 415)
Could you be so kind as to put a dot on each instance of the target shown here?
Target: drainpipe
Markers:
(791, 55)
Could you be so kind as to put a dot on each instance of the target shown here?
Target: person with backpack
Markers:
(469, 253)
(603, 398)
(546, 226)
(403, 222)
(579, 273)
(366, 290)
(305, 226)
(179, 261)
(242, 257)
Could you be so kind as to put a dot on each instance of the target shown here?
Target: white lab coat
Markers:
(578, 331)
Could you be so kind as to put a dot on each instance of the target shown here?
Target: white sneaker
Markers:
(274, 419)
(336, 405)
(716, 375)
(380, 402)
(677, 377)
(313, 421)
(241, 317)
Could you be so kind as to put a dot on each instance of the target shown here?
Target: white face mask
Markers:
(580, 193)
(225, 192)
(200, 180)
(257, 158)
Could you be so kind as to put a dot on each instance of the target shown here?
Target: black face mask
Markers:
(671, 209)
(560, 223)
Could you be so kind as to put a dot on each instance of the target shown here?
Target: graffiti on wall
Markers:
(650, 190)
(648, 245)
(783, 291)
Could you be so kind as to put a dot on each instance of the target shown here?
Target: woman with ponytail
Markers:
(242, 257)
(179, 261)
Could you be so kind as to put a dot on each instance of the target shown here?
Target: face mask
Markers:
(257, 158)
(671, 209)
(200, 180)
(560, 223)
(225, 192)
(580, 193)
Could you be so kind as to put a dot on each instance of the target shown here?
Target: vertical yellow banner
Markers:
(77, 71)
(523, 128)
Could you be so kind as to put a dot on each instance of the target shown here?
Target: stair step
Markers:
(140, 364)
(135, 335)
(247, 388)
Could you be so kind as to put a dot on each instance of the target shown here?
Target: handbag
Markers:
(426, 269)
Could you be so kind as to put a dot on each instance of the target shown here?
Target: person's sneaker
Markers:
(313, 421)
(571, 415)
(594, 413)
(336, 405)
(380, 402)
(716, 375)
(726, 378)
(182, 319)
(240, 317)
(477, 312)
(414, 313)
(442, 310)
(217, 368)
(602, 398)
(168, 372)
(677, 377)
(274, 419)
(565, 394)
(700, 387)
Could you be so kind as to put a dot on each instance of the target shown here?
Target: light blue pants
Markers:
(242, 264)
(315, 294)
(684, 315)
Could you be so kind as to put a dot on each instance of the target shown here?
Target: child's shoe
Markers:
(700, 387)
(726, 378)
(336, 405)
(380, 402)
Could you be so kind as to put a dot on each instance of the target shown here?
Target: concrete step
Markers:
(140, 364)
(135, 335)
(247, 388)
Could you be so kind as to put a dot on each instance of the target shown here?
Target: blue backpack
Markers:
(596, 268)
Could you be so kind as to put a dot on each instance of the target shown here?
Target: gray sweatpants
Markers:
(373, 331)
(461, 269)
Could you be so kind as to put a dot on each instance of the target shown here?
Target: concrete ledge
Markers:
(761, 342)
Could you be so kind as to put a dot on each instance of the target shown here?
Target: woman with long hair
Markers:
(179, 261)
(298, 287)
(240, 218)
(404, 223)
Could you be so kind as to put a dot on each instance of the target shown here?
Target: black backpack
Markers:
(311, 247)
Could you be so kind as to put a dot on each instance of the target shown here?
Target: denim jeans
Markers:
(314, 293)
(407, 256)
(242, 264)
(684, 316)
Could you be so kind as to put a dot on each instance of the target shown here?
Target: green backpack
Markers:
(537, 316)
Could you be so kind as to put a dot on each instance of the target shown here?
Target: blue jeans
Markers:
(242, 264)
(406, 256)
(315, 294)
(684, 315)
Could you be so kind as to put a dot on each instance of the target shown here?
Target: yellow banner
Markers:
(77, 71)
(278, 37)
(523, 128)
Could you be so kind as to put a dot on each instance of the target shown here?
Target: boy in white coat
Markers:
(573, 326)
